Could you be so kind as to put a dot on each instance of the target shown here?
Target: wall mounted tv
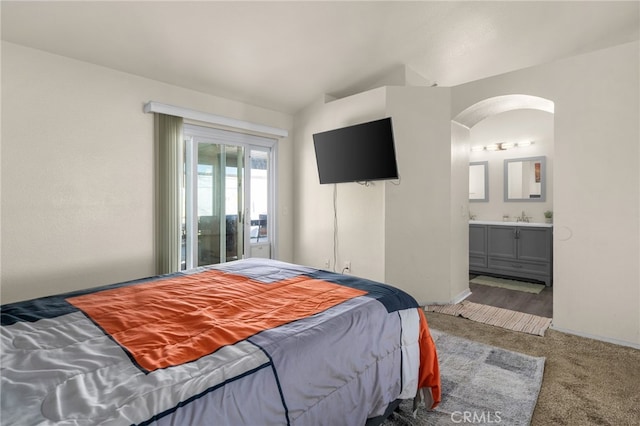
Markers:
(358, 153)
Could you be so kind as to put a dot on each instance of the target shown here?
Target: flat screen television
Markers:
(359, 153)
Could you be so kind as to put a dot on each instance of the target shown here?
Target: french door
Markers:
(228, 196)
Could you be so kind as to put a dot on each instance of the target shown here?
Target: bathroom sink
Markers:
(510, 223)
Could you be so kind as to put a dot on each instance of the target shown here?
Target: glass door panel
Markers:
(227, 197)
(259, 196)
(233, 195)
(214, 203)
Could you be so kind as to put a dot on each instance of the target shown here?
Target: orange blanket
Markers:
(172, 321)
(429, 375)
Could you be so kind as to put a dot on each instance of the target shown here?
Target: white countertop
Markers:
(499, 222)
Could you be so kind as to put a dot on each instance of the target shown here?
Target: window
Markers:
(228, 194)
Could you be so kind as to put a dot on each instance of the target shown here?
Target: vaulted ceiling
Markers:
(285, 55)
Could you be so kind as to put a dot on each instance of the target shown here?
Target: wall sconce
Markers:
(503, 146)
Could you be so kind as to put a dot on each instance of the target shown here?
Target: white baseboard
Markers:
(596, 337)
(460, 297)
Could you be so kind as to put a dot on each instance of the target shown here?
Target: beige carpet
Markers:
(585, 382)
(508, 284)
(499, 317)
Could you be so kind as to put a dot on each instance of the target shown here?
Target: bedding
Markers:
(253, 342)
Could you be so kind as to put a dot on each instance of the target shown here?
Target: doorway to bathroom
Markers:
(514, 200)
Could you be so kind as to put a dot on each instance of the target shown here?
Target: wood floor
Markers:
(536, 304)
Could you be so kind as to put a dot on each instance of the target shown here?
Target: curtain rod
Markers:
(206, 117)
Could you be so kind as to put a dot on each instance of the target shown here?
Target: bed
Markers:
(253, 342)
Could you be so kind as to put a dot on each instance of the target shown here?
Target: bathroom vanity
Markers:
(512, 249)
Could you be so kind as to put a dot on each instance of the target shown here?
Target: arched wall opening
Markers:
(505, 118)
(498, 104)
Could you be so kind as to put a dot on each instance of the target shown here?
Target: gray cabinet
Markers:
(514, 251)
(477, 246)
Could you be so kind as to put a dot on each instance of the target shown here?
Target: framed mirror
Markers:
(479, 181)
(525, 179)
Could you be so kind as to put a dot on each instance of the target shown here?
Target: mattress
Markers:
(250, 342)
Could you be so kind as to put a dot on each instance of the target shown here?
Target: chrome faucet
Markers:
(522, 218)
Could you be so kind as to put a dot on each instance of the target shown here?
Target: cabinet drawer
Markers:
(517, 266)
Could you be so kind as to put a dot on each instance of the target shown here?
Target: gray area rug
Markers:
(481, 384)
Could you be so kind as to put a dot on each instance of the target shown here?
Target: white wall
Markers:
(513, 126)
(404, 234)
(460, 144)
(423, 211)
(360, 209)
(77, 172)
(76, 186)
(596, 184)
(595, 198)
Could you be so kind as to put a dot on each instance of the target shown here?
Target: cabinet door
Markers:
(534, 244)
(478, 240)
(478, 245)
(502, 241)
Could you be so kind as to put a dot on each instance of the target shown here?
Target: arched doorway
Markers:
(502, 124)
